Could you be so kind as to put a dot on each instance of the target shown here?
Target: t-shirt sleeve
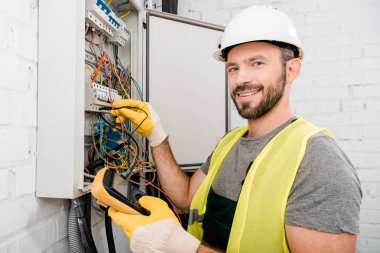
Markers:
(326, 193)
(206, 165)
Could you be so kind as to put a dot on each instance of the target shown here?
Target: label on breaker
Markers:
(104, 93)
(97, 96)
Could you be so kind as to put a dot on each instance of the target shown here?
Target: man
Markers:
(277, 185)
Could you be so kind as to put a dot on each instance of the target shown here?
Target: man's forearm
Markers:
(205, 249)
(174, 181)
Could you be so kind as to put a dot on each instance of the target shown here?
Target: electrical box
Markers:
(91, 53)
(186, 85)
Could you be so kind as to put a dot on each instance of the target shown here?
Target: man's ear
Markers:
(293, 68)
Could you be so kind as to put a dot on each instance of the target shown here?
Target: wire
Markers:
(100, 156)
(130, 149)
(118, 78)
(151, 180)
(138, 108)
(98, 68)
(121, 85)
(126, 156)
(88, 175)
(163, 192)
(118, 7)
(109, 2)
(140, 168)
(126, 14)
(129, 75)
(101, 115)
(89, 68)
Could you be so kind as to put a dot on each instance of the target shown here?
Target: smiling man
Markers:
(279, 184)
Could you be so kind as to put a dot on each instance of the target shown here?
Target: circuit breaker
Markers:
(88, 57)
(92, 52)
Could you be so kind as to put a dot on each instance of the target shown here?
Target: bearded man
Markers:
(278, 184)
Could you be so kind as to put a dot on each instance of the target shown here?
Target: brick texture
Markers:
(28, 224)
(338, 87)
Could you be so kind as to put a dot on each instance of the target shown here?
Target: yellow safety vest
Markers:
(258, 224)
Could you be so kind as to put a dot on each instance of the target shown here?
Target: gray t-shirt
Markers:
(325, 195)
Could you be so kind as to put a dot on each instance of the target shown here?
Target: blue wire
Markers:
(101, 126)
(122, 67)
(134, 81)
(117, 7)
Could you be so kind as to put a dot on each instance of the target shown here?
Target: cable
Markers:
(98, 68)
(126, 14)
(128, 134)
(162, 191)
(138, 108)
(88, 175)
(117, 7)
(130, 76)
(108, 225)
(122, 145)
(86, 235)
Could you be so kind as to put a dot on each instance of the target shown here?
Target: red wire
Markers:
(98, 68)
(152, 184)
(122, 131)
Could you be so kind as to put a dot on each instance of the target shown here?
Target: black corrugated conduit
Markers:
(75, 240)
(79, 226)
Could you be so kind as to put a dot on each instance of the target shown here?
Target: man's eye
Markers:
(232, 69)
(257, 63)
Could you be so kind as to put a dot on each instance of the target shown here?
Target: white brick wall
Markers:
(28, 224)
(339, 87)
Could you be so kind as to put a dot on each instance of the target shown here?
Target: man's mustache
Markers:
(245, 87)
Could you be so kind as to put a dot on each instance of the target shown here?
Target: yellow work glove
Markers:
(158, 232)
(143, 118)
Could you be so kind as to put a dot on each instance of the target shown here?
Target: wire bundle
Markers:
(117, 146)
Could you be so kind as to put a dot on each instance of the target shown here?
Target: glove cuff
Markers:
(158, 134)
(163, 236)
(181, 240)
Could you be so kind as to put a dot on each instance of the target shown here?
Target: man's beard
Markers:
(270, 98)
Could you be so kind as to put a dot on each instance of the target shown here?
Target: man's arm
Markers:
(176, 183)
(205, 249)
(306, 240)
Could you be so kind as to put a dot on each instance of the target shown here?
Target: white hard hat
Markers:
(259, 23)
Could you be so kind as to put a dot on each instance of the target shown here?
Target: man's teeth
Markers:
(248, 94)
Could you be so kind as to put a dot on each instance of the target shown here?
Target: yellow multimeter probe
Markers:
(105, 191)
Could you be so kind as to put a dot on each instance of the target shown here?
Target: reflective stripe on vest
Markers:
(258, 224)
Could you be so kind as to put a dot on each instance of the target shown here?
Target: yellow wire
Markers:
(126, 14)
(121, 85)
(118, 78)
(110, 1)
(101, 79)
(134, 154)
(97, 151)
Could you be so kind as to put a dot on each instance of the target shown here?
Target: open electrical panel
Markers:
(92, 52)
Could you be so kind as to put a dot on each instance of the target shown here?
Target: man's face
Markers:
(256, 77)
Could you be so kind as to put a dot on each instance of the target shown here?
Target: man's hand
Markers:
(143, 118)
(158, 232)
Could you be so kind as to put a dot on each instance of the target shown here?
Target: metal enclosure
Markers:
(61, 89)
(60, 125)
(185, 85)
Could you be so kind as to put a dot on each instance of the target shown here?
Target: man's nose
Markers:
(243, 76)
